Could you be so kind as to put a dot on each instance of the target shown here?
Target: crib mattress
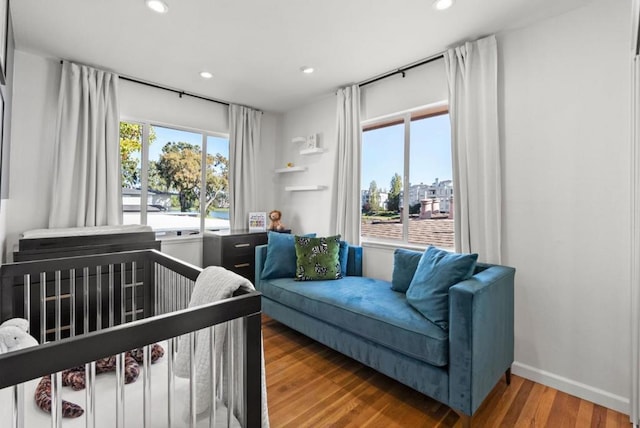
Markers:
(105, 387)
(84, 231)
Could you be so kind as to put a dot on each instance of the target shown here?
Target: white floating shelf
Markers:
(304, 188)
(315, 151)
(291, 169)
(299, 140)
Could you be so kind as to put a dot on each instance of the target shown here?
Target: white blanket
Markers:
(214, 284)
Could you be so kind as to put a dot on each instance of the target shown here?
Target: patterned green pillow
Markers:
(317, 258)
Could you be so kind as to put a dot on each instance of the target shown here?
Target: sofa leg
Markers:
(465, 420)
(507, 376)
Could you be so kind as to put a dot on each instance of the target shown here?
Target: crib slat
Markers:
(90, 382)
(72, 291)
(146, 394)
(43, 307)
(85, 299)
(111, 303)
(170, 381)
(17, 399)
(56, 400)
(192, 380)
(120, 390)
(230, 374)
(123, 293)
(133, 291)
(27, 298)
(58, 307)
(98, 297)
(212, 370)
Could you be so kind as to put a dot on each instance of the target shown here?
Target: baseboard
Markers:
(580, 390)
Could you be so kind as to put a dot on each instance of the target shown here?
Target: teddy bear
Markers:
(275, 223)
(14, 335)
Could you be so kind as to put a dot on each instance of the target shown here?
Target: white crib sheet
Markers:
(105, 387)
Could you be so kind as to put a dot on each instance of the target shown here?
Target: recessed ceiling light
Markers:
(206, 75)
(157, 6)
(307, 70)
(442, 4)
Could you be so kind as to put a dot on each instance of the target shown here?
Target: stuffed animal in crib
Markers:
(75, 378)
(14, 335)
(275, 224)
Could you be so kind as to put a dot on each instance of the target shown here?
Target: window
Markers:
(408, 154)
(163, 166)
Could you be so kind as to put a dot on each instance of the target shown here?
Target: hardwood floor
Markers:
(310, 385)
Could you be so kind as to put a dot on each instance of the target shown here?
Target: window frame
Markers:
(144, 163)
(404, 117)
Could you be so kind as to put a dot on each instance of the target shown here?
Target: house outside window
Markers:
(408, 154)
(163, 166)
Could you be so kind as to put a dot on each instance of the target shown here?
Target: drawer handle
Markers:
(241, 265)
(242, 245)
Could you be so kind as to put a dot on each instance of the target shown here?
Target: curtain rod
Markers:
(401, 70)
(175, 91)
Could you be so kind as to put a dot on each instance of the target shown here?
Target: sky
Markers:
(164, 135)
(430, 152)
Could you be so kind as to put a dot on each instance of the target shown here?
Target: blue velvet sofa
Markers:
(363, 318)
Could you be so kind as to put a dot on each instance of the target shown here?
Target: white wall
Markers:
(565, 97)
(5, 151)
(35, 89)
(311, 211)
(565, 120)
(34, 116)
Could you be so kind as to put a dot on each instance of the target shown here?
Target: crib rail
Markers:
(30, 363)
(74, 295)
(91, 307)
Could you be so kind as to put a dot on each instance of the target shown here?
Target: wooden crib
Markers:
(85, 308)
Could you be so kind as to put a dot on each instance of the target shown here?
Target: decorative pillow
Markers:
(317, 258)
(437, 271)
(405, 263)
(281, 256)
(343, 257)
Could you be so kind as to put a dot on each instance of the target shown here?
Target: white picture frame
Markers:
(257, 222)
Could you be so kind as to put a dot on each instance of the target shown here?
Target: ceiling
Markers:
(255, 48)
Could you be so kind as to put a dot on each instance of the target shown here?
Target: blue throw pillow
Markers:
(281, 256)
(437, 271)
(405, 263)
(343, 257)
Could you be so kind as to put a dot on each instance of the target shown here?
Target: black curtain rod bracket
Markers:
(401, 70)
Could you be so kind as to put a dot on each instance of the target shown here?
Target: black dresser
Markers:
(233, 249)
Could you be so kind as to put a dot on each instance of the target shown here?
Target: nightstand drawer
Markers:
(233, 250)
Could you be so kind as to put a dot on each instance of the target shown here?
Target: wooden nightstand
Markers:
(233, 249)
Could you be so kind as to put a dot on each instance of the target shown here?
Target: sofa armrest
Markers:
(261, 256)
(480, 335)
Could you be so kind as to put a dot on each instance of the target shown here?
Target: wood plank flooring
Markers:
(310, 385)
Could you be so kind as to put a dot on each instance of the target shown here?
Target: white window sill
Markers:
(382, 244)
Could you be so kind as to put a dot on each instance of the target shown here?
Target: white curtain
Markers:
(347, 183)
(472, 71)
(244, 138)
(86, 181)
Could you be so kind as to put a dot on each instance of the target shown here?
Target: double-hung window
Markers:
(174, 179)
(407, 180)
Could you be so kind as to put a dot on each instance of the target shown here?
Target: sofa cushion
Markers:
(281, 256)
(366, 307)
(343, 257)
(405, 263)
(317, 258)
(437, 271)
